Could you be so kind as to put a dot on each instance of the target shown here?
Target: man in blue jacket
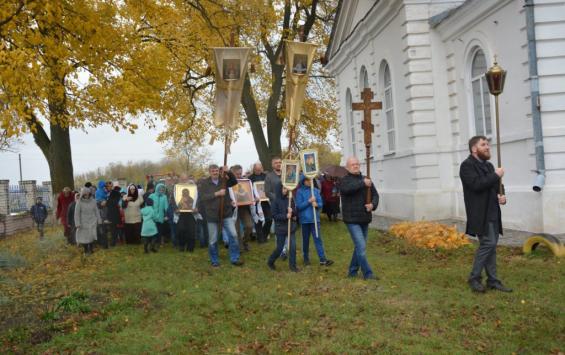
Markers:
(306, 203)
(39, 215)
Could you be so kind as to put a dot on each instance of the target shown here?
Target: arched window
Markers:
(350, 121)
(363, 78)
(388, 106)
(481, 97)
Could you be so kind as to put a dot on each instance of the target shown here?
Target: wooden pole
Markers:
(498, 143)
(314, 210)
(368, 162)
(223, 180)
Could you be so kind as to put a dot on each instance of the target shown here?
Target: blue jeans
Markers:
(230, 232)
(358, 234)
(307, 230)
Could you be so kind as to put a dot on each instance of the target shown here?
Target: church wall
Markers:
(499, 28)
(430, 70)
(550, 37)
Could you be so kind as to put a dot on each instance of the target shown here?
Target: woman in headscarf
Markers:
(132, 211)
(186, 225)
(87, 219)
(113, 214)
(64, 200)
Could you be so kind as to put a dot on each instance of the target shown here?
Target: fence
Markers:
(17, 199)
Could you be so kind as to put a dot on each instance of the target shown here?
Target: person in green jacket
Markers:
(160, 205)
(149, 231)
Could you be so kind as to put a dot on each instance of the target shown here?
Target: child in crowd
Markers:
(149, 232)
(39, 215)
(282, 213)
(306, 203)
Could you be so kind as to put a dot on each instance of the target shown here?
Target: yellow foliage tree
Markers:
(263, 25)
(77, 64)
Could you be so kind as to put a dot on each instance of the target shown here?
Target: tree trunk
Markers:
(266, 151)
(57, 152)
(61, 159)
(250, 108)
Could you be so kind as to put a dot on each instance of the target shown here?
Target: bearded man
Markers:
(482, 195)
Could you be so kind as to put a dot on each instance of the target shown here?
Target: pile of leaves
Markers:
(429, 235)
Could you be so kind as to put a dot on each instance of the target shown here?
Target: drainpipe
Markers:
(535, 100)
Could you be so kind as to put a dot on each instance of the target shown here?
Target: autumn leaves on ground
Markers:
(52, 299)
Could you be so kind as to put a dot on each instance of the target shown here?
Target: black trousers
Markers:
(266, 206)
(186, 232)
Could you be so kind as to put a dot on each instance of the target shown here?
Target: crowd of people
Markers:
(107, 214)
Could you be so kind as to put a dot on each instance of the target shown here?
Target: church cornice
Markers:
(466, 16)
(381, 13)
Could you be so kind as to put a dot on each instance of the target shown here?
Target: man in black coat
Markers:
(482, 197)
(357, 214)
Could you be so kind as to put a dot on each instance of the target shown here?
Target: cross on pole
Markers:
(368, 128)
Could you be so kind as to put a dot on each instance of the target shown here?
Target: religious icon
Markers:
(186, 196)
(231, 69)
(243, 192)
(290, 171)
(260, 187)
(299, 64)
(309, 160)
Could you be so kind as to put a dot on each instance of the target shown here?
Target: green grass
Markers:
(122, 301)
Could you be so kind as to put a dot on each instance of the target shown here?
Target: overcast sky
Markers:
(104, 145)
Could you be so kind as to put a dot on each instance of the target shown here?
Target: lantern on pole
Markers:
(495, 78)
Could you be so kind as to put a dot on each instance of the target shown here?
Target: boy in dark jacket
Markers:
(39, 215)
(281, 214)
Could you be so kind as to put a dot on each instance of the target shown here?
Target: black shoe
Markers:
(215, 265)
(306, 262)
(237, 263)
(499, 287)
(271, 266)
(477, 286)
(372, 277)
(294, 269)
(328, 262)
(153, 249)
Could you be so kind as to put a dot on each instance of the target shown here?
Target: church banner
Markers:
(299, 58)
(230, 71)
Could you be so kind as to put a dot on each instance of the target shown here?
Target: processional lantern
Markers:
(495, 78)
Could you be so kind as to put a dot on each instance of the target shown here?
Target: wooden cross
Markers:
(368, 128)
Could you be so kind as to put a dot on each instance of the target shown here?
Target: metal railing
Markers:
(17, 199)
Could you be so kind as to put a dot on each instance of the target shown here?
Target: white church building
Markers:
(425, 60)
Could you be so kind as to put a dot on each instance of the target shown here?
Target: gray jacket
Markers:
(271, 182)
